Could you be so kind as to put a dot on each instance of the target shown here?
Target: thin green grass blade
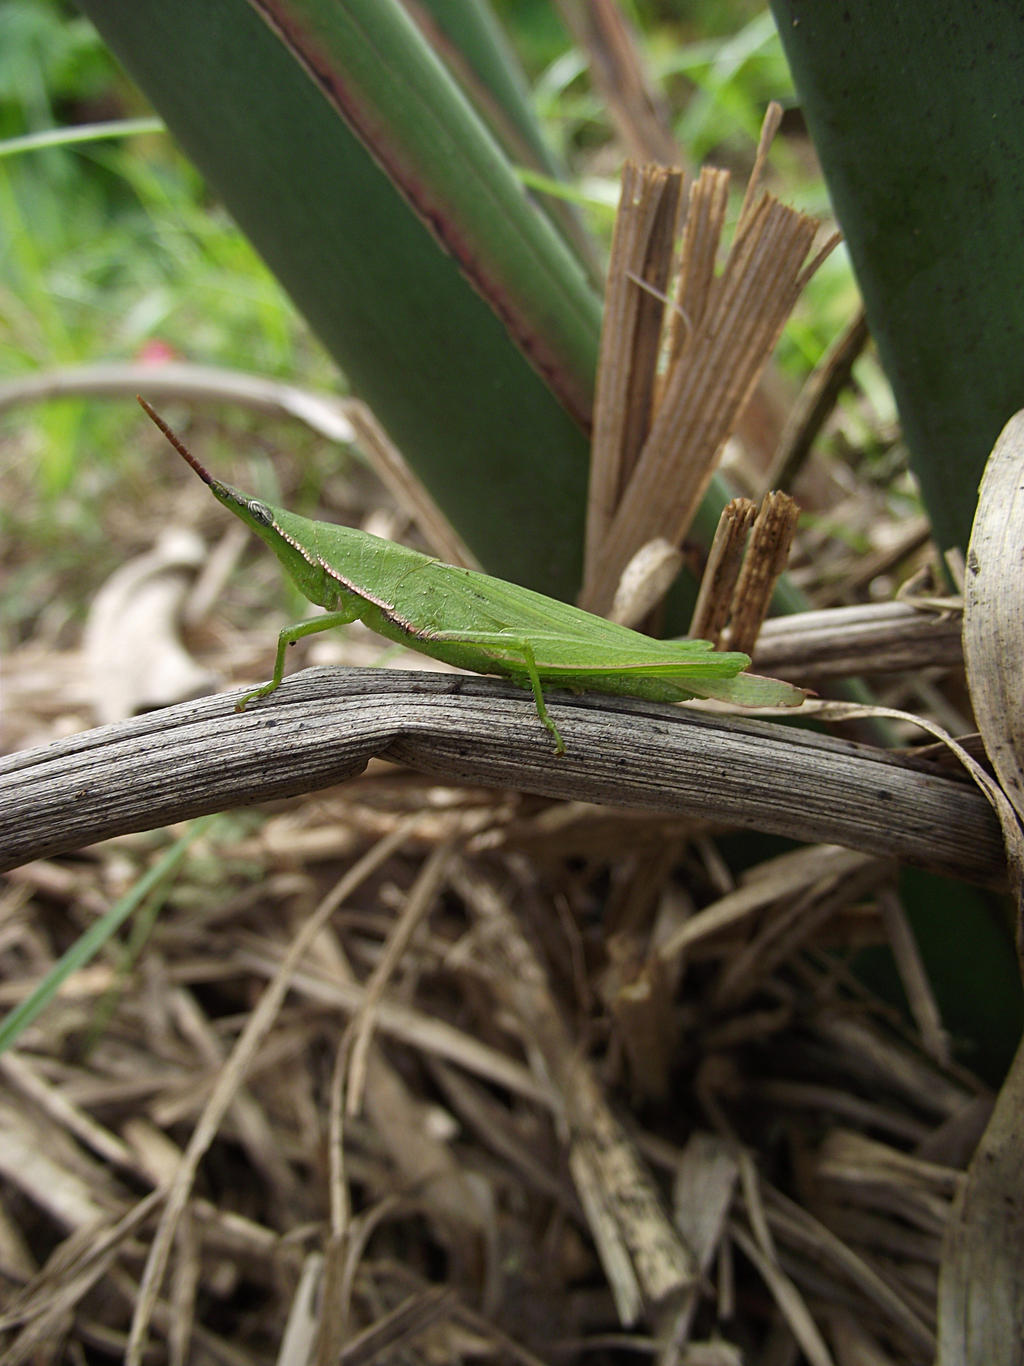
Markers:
(89, 944)
(83, 132)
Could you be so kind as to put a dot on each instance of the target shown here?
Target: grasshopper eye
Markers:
(261, 512)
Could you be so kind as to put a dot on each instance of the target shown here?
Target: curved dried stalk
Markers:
(323, 726)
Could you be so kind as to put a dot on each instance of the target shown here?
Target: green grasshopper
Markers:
(477, 622)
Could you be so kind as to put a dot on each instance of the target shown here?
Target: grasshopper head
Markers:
(261, 518)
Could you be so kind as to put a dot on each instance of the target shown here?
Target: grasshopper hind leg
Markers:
(514, 648)
(538, 698)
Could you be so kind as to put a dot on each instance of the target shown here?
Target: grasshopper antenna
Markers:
(176, 442)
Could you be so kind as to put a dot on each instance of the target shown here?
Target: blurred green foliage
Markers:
(50, 58)
(108, 247)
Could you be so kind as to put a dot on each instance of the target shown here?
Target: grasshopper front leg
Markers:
(287, 637)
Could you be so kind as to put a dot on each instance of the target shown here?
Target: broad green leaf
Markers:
(915, 112)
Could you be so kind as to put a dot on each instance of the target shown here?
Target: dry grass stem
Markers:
(645, 1020)
(883, 637)
(770, 125)
(789, 929)
(720, 336)
(407, 489)
(789, 1300)
(256, 1028)
(781, 880)
(747, 558)
(767, 553)
(644, 1259)
(420, 901)
(882, 1303)
(698, 257)
(725, 559)
(645, 229)
(617, 69)
(920, 997)
(815, 403)
(436, 1037)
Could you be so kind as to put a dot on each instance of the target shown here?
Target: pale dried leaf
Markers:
(994, 610)
(133, 654)
(645, 581)
(981, 1283)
